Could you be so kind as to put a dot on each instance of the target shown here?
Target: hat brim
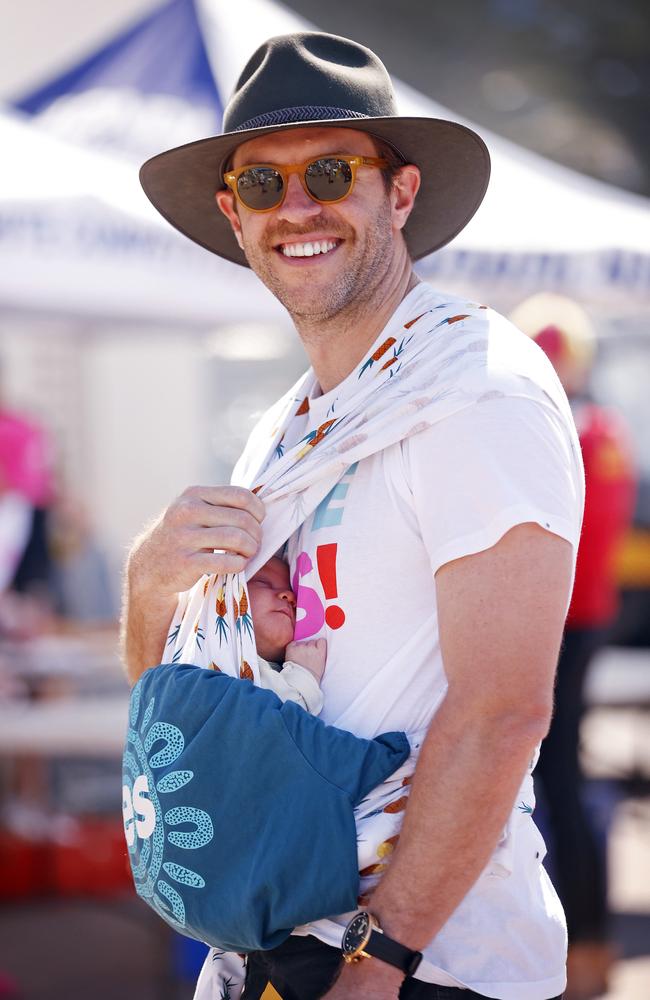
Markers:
(454, 162)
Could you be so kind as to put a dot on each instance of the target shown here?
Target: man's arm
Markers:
(173, 553)
(501, 615)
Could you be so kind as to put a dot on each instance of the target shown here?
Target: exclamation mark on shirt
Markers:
(326, 559)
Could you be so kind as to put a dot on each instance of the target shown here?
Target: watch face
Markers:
(356, 934)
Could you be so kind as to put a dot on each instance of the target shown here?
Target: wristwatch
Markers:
(364, 938)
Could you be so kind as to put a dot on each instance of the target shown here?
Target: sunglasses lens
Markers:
(328, 179)
(260, 188)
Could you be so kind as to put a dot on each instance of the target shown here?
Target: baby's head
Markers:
(273, 609)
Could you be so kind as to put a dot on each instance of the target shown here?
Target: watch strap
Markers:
(380, 946)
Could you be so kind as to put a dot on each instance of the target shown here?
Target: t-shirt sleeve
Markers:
(292, 683)
(497, 463)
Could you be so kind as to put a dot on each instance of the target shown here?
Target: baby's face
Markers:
(273, 609)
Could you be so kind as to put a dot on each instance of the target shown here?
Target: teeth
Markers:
(307, 249)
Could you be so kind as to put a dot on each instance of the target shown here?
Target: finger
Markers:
(220, 562)
(229, 496)
(197, 513)
(214, 517)
(227, 538)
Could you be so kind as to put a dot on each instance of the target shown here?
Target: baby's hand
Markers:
(310, 654)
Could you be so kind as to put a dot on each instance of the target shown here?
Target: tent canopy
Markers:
(164, 81)
(149, 86)
(78, 236)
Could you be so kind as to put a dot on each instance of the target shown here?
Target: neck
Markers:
(336, 345)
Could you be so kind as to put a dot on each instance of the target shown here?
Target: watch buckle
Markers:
(356, 957)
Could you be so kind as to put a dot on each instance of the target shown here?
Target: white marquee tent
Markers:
(78, 235)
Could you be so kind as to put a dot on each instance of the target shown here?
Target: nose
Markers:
(288, 596)
(297, 204)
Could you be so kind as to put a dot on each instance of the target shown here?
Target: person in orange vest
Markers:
(563, 330)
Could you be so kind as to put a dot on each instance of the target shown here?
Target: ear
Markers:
(226, 202)
(406, 184)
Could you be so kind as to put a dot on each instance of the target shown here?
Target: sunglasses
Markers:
(261, 187)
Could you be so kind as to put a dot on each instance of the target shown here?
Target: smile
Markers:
(308, 249)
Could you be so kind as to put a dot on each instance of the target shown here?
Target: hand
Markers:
(178, 548)
(369, 979)
(310, 654)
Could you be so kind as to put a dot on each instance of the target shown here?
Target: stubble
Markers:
(355, 285)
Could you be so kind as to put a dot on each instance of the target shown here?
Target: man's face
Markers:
(360, 230)
(273, 609)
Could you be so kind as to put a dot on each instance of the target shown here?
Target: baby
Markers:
(273, 610)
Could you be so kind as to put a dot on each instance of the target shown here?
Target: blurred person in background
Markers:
(563, 330)
(50, 561)
(81, 586)
(26, 494)
(15, 525)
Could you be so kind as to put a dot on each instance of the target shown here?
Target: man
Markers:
(445, 530)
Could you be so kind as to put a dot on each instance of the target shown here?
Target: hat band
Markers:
(306, 113)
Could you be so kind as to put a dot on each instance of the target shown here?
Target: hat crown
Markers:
(307, 76)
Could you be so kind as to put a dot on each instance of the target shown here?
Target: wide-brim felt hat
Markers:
(313, 79)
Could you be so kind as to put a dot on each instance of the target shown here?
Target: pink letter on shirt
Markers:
(307, 600)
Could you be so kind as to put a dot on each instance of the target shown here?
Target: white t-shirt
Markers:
(363, 567)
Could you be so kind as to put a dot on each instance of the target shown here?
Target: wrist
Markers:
(147, 592)
(399, 930)
(365, 938)
(413, 929)
(373, 971)
(312, 671)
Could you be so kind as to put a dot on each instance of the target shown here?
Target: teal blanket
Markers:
(239, 809)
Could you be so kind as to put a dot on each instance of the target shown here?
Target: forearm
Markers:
(144, 626)
(470, 768)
